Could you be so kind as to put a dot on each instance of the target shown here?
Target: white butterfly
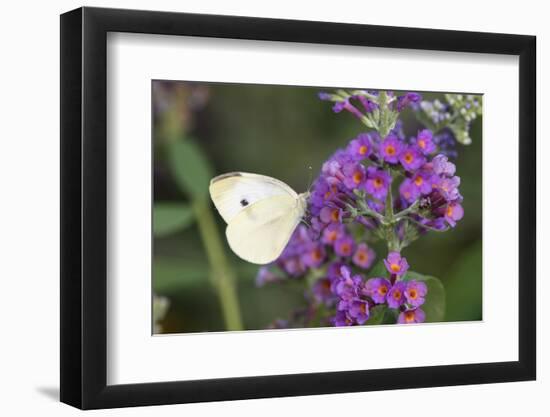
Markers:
(261, 213)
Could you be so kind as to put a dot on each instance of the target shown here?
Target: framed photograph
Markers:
(258, 208)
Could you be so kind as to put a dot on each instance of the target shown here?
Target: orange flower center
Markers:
(383, 290)
(363, 150)
(363, 256)
(395, 267)
(345, 248)
(409, 316)
(317, 255)
(377, 182)
(413, 294)
(357, 177)
(421, 143)
(397, 294)
(418, 180)
(335, 215)
(408, 157)
(390, 150)
(330, 192)
(331, 236)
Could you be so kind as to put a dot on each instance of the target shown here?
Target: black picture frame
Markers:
(84, 207)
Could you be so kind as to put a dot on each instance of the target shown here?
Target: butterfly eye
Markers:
(244, 202)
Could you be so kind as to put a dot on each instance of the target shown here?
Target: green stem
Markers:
(222, 276)
(433, 229)
(365, 211)
(383, 119)
(411, 209)
(389, 201)
(393, 241)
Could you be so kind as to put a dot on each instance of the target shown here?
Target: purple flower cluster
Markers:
(369, 165)
(380, 186)
(312, 248)
(357, 297)
(434, 185)
(364, 102)
(451, 119)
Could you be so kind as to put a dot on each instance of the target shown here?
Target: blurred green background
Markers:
(278, 131)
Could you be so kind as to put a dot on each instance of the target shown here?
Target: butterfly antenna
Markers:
(310, 181)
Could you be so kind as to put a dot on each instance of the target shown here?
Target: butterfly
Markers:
(261, 214)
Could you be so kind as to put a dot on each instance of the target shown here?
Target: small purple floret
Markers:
(377, 289)
(390, 149)
(411, 316)
(378, 182)
(396, 295)
(395, 264)
(415, 293)
(364, 256)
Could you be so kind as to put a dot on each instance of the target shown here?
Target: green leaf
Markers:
(379, 270)
(190, 167)
(376, 315)
(169, 218)
(434, 306)
(171, 274)
(465, 284)
(390, 316)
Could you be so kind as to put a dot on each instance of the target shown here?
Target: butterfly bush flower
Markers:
(415, 293)
(380, 186)
(360, 148)
(407, 99)
(330, 214)
(378, 182)
(342, 319)
(396, 295)
(332, 233)
(347, 286)
(412, 158)
(391, 149)
(321, 291)
(355, 174)
(395, 264)
(442, 166)
(409, 191)
(416, 315)
(453, 213)
(364, 256)
(314, 256)
(422, 182)
(424, 142)
(377, 289)
(359, 311)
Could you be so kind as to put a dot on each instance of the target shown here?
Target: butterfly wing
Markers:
(259, 233)
(236, 191)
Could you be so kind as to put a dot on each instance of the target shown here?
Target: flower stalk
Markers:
(222, 276)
